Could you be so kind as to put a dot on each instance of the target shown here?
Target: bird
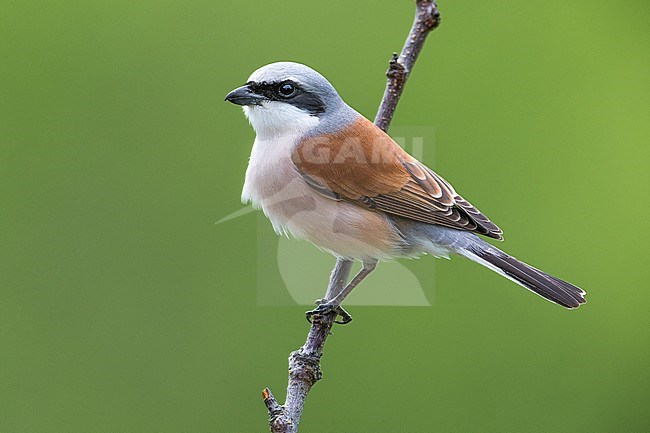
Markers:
(322, 172)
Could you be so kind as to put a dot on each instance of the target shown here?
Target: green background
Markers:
(124, 308)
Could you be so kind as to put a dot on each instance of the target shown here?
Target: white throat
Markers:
(273, 119)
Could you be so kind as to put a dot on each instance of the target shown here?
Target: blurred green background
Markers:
(124, 308)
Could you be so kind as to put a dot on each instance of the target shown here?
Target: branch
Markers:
(304, 363)
(427, 18)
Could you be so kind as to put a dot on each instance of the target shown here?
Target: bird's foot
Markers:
(324, 309)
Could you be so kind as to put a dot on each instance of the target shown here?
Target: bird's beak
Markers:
(244, 96)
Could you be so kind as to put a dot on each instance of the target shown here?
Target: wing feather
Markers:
(363, 165)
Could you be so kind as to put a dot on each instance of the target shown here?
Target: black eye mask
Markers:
(299, 98)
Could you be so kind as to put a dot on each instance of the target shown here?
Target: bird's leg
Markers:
(334, 304)
(366, 269)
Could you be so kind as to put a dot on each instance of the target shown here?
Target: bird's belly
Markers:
(342, 228)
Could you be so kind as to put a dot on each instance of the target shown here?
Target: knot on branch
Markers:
(428, 14)
(281, 424)
(305, 368)
(396, 70)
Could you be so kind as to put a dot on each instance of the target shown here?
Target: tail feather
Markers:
(539, 282)
(439, 241)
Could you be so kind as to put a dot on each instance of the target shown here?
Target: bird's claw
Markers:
(344, 315)
(324, 309)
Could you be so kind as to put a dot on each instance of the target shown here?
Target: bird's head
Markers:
(286, 97)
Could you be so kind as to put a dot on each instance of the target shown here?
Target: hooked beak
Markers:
(244, 96)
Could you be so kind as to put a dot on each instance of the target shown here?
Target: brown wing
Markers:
(362, 164)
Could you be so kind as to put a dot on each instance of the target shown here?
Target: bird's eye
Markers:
(286, 89)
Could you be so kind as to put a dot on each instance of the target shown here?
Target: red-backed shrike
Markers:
(322, 172)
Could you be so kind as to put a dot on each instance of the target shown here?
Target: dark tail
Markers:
(545, 285)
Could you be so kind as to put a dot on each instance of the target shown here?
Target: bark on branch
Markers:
(304, 363)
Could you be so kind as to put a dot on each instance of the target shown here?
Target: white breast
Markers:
(294, 208)
(278, 127)
(269, 169)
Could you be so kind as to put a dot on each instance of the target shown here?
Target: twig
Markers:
(279, 421)
(304, 363)
(427, 18)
